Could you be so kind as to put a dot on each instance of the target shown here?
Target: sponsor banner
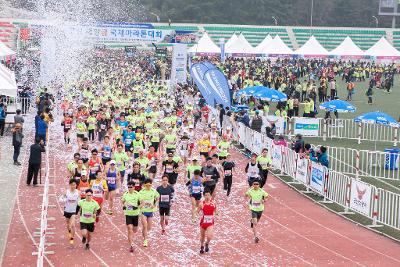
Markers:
(280, 123)
(218, 84)
(185, 37)
(301, 169)
(257, 143)
(209, 65)
(317, 178)
(197, 72)
(179, 63)
(277, 157)
(242, 133)
(306, 126)
(360, 197)
(222, 47)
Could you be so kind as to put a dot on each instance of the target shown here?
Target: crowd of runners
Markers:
(133, 140)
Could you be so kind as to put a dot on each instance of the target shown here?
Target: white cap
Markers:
(112, 162)
(83, 172)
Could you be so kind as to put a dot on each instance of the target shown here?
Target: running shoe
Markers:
(87, 247)
(71, 241)
(202, 250)
(206, 249)
(97, 219)
(109, 212)
(83, 240)
(251, 223)
(193, 221)
(256, 239)
(145, 243)
(166, 222)
(131, 249)
(163, 232)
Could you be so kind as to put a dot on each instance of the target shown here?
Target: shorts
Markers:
(112, 188)
(134, 220)
(80, 135)
(172, 178)
(135, 155)
(184, 153)
(66, 130)
(211, 188)
(127, 148)
(256, 214)
(68, 215)
(191, 146)
(169, 150)
(206, 225)
(148, 214)
(213, 147)
(153, 169)
(105, 160)
(87, 226)
(196, 196)
(99, 200)
(205, 154)
(221, 157)
(164, 211)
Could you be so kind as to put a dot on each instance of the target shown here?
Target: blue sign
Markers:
(197, 72)
(222, 47)
(216, 81)
(209, 65)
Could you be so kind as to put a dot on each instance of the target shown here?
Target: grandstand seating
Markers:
(331, 38)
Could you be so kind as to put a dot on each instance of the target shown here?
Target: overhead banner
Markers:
(216, 81)
(179, 64)
(301, 169)
(360, 197)
(197, 72)
(317, 178)
(306, 126)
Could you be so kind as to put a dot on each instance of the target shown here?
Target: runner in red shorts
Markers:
(207, 221)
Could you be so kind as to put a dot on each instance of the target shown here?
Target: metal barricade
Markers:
(337, 188)
(388, 210)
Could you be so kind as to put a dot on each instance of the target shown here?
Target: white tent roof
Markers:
(264, 43)
(277, 47)
(8, 85)
(205, 45)
(240, 46)
(383, 48)
(5, 50)
(347, 48)
(312, 47)
(231, 40)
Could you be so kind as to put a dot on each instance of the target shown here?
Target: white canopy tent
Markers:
(383, 48)
(347, 48)
(5, 50)
(263, 44)
(277, 47)
(8, 85)
(231, 40)
(240, 46)
(205, 45)
(312, 48)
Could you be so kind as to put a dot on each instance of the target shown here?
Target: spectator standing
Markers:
(35, 159)
(2, 118)
(256, 122)
(18, 118)
(17, 142)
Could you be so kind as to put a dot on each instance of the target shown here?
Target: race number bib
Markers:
(256, 204)
(87, 215)
(196, 189)
(208, 219)
(228, 172)
(148, 204)
(164, 198)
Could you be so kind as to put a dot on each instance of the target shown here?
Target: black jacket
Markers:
(35, 156)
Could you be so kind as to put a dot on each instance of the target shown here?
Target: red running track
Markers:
(294, 231)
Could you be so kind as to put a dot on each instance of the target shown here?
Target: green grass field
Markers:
(382, 101)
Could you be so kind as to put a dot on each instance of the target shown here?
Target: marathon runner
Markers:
(148, 205)
(131, 202)
(166, 192)
(99, 187)
(71, 198)
(266, 163)
(88, 209)
(256, 197)
(113, 183)
(253, 170)
(208, 209)
(196, 189)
